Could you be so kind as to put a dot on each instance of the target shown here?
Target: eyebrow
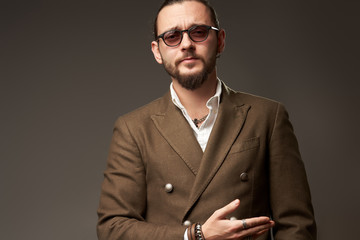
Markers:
(178, 28)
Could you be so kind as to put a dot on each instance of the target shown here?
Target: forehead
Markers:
(183, 15)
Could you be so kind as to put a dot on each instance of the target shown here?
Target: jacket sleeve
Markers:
(122, 207)
(290, 197)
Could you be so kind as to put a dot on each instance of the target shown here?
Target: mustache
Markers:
(186, 56)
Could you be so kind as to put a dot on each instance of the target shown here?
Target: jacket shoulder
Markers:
(251, 99)
(143, 114)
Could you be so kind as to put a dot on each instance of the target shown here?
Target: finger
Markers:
(224, 211)
(256, 221)
(262, 232)
(258, 230)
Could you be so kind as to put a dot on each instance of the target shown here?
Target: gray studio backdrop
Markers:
(69, 68)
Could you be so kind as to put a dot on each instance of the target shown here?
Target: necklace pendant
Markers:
(197, 121)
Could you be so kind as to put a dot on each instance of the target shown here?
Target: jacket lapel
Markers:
(176, 130)
(228, 125)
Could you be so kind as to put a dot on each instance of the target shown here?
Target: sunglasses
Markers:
(197, 33)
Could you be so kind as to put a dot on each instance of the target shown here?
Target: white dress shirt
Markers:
(203, 132)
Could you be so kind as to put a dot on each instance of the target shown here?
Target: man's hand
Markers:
(218, 227)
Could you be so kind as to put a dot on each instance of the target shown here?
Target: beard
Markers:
(195, 80)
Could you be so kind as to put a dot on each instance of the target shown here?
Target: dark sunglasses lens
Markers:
(199, 33)
(172, 38)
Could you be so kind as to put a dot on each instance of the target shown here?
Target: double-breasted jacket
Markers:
(158, 178)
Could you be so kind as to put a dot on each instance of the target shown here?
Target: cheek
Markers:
(167, 56)
(208, 49)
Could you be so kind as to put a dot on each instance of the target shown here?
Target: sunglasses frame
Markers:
(188, 31)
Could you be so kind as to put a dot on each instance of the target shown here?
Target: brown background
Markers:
(69, 68)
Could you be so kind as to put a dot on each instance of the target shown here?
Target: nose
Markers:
(186, 42)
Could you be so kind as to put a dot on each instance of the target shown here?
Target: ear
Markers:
(221, 41)
(156, 51)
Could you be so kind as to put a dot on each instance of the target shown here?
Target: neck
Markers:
(195, 100)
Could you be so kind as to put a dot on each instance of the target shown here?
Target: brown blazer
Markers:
(252, 154)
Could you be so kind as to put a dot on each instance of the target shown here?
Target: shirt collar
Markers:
(213, 102)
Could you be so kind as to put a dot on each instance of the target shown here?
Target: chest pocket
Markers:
(245, 145)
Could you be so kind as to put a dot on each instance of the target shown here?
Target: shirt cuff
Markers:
(185, 235)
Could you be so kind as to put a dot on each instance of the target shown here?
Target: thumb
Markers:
(226, 210)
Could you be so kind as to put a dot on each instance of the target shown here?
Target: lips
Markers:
(188, 59)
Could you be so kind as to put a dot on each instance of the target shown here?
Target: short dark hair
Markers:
(213, 14)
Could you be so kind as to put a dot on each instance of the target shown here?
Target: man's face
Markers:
(190, 62)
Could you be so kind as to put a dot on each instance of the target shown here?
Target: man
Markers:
(203, 161)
